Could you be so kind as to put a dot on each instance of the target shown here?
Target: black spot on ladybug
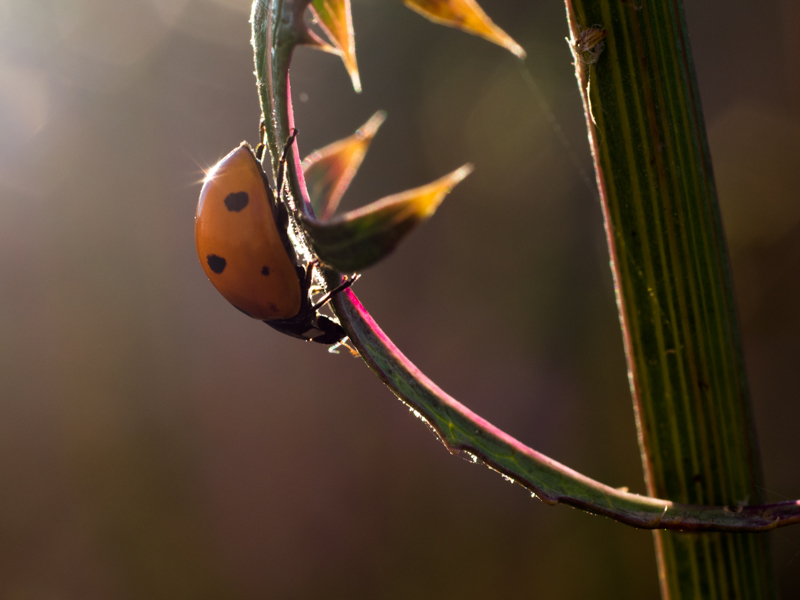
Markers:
(265, 271)
(216, 263)
(236, 201)
(241, 310)
(272, 307)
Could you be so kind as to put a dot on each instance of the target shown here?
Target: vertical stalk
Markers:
(673, 287)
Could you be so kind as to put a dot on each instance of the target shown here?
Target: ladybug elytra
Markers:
(244, 248)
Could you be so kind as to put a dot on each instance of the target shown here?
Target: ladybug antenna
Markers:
(282, 163)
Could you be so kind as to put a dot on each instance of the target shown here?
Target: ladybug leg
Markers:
(314, 264)
(262, 136)
(282, 163)
(310, 273)
(280, 213)
(344, 343)
(304, 275)
(339, 288)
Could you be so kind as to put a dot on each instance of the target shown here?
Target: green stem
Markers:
(674, 287)
(278, 27)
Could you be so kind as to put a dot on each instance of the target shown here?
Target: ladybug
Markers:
(241, 234)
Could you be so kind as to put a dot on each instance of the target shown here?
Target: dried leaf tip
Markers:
(467, 16)
(330, 170)
(336, 20)
(426, 199)
(360, 238)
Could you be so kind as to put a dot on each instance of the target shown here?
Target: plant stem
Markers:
(673, 286)
(276, 30)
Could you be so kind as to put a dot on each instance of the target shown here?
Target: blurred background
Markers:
(156, 443)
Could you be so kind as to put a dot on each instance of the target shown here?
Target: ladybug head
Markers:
(316, 328)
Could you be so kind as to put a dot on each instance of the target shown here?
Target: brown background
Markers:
(155, 443)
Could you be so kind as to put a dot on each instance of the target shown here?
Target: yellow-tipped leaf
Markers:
(360, 238)
(330, 170)
(467, 16)
(336, 20)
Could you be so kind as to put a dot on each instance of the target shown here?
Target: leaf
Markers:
(467, 16)
(330, 170)
(335, 18)
(360, 238)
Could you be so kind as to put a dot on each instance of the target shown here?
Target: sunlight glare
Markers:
(210, 172)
